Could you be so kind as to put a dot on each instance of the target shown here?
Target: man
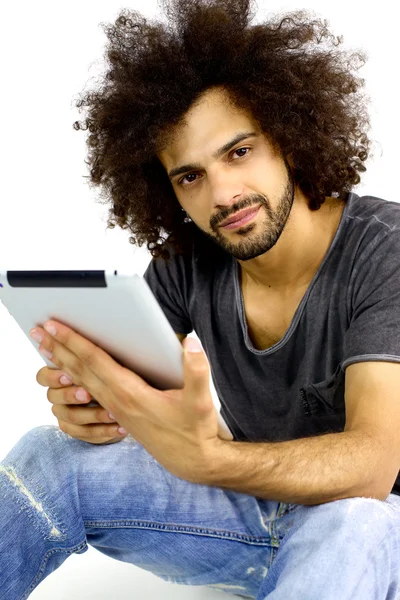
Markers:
(295, 295)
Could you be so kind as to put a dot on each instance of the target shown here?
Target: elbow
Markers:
(378, 489)
(375, 494)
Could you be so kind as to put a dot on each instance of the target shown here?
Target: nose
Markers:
(224, 188)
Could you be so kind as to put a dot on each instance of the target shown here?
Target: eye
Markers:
(180, 182)
(238, 150)
(183, 178)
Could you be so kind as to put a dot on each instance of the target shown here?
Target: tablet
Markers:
(114, 309)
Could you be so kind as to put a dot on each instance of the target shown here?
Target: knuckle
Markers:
(40, 376)
(73, 417)
(92, 432)
(87, 360)
(90, 359)
(102, 431)
(63, 425)
(109, 440)
(52, 394)
(77, 369)
(99, 441)
(102, 415)
(57, 411)
(200, 368)
(202, 408)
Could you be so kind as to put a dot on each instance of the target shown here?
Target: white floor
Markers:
(94, 576)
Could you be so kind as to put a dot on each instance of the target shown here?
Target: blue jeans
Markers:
(59, 494)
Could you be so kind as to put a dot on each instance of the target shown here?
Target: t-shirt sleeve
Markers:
(374, 331)
(170, 284)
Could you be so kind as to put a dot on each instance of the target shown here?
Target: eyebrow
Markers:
(196, 166)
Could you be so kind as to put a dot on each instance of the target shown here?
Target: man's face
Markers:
(249, 174)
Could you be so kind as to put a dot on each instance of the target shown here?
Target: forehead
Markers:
(207, 125)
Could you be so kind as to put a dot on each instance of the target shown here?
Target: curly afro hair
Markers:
(303, 96)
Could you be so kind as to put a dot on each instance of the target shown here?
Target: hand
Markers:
(179, 427)
(73, 415)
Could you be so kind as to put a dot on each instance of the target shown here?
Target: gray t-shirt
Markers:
(350, 313)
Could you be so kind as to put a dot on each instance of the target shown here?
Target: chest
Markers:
(268, 316)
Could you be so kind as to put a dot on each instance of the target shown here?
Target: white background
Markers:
(49, 218)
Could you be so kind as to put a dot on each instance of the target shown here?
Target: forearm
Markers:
(307, 471)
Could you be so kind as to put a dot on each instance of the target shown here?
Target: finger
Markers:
(94, 434)
(102, 441)
(51, 377)
(88, 364)
(67, 395)
(196, 372)
(82, 415)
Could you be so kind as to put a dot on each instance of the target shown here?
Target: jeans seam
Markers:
(185, 529)
(43, 564)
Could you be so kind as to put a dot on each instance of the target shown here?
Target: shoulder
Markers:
(377, 214)
(371, 228)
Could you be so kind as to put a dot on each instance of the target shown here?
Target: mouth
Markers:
(240, 218)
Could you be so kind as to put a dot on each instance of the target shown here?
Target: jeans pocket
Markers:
(285, 508)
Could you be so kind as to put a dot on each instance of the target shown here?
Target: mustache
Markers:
(250, 201)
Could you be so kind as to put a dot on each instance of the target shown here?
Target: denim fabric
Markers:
(59, 494)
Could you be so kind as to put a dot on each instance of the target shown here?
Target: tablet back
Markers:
(116, 311)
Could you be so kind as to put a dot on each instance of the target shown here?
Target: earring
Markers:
(187, 219)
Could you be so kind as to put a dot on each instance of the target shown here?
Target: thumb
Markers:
(196, 370)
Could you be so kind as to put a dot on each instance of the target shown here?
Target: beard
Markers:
(254, 244)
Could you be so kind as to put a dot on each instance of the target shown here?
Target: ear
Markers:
(290, 161)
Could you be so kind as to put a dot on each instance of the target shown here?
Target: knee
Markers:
(43, 441)
(364, 507)
(359, 513)
(44, 436)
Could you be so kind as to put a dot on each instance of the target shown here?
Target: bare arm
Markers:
(363, 460)
(307, 471)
